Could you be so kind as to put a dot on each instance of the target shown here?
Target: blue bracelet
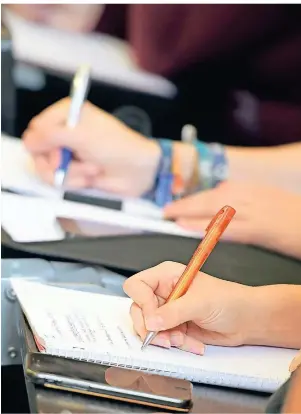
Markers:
(163, 190)
(161, 193)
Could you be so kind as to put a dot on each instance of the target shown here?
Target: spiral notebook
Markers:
(97, 328)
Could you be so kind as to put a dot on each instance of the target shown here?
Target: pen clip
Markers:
(225, 213)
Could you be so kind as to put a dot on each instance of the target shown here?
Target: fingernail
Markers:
(199, 350)
(195, 349)
(293, 365)
(168, 210)
(154, 323)
(165, 343)
(176, 339)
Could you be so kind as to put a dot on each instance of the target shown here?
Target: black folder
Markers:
(129, 254)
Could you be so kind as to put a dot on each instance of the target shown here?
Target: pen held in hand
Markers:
(214, 231)
(78, 94)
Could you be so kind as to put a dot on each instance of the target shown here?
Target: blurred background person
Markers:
(237, 67)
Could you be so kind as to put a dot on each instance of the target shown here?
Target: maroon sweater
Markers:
(264, 41)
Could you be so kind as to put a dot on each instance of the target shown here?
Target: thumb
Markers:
(170, 315)
(38, 141)
(202, 205)
(56, 114)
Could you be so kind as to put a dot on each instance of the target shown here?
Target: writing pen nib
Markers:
(149, 337)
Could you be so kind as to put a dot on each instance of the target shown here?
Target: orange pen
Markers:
(215, 229)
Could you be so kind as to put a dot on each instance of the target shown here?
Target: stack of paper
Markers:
(18, 175)
(110, 59)
(32, 215)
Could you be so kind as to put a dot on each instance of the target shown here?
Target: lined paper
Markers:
(110, 59)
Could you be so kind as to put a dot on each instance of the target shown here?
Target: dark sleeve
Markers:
(169, 37)
(279, 122)
(114, 20)
(263, 122)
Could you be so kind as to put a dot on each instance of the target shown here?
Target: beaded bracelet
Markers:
(220, 168)
(213, 165)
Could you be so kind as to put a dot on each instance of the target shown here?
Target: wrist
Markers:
(275, 317)
(148, 158)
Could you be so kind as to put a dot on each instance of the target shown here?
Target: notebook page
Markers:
(99, 328)
(17, 173)
(110, 59)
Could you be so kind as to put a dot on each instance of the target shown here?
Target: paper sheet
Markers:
(101, 327)
(17, 170)
(110, 59)
(17, 174)
(32, 219)
(29, 219)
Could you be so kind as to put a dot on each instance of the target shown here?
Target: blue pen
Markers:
(78, 94)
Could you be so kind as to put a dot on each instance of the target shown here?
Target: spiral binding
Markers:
(193, 374)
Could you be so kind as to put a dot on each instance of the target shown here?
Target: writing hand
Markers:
(213, 311)
(107, 154)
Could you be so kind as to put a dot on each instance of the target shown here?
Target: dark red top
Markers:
(262, 44)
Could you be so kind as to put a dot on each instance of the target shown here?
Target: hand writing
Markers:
(213, 311)
(106, 153)
(204, 315)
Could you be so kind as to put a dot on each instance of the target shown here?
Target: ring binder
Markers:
(169, 370)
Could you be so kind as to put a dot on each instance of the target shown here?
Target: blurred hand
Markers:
(213, 311)
(265, 215)
(107, 154)
(74, 17)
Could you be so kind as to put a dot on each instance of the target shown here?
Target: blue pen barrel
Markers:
(66, 157)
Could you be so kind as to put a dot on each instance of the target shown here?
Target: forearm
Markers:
(287, 243)
(276, 320)
(279, 165)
